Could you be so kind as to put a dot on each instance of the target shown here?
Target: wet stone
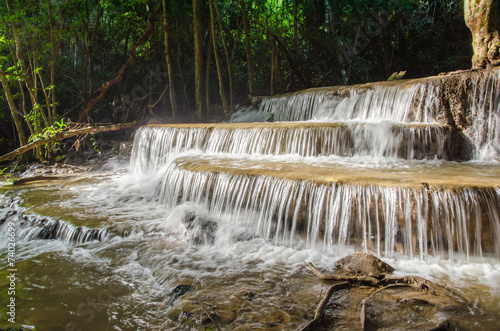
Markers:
(362, 264)
(200, 228)
(179, 291)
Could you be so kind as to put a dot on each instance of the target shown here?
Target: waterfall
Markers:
(154, 144)
(409, 197)
(383, 101)
(32, 227)
(415, 221)
(485, 116)
(417, 100)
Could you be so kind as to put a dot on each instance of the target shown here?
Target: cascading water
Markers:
(415, 221)
(155, 144)
(408, 219)
(386, 101)
(33, 227)
(485, 116)
(214, 221)
(409, 101)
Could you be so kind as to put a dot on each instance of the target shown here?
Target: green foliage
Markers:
(4, 171)
(50, 133)
(95, 145)
(332, 42)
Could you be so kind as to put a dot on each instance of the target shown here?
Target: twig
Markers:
(206, 312)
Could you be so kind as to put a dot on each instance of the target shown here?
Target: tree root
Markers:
(322, 305)
(363, 280)
(422, 284)
(416, 282)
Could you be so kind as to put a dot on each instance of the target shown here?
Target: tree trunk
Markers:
(273, 50)
(295, 66)
(481, 16)
(89, 38)
(55, 47)
(228, 60)
(82, 116)
(184, 87)
(246, 27)
(198, 58)
(13, 110)
(171, 89)
(208, 101)
(22, 100)
(222, 92)
(29, 77)
(295, 24)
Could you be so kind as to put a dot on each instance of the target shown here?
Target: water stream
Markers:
(209, 224)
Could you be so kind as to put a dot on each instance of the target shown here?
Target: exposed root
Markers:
(422, 284)
(322, 305)
(363, 280)
(415, 282)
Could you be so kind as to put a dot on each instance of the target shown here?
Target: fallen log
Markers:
(64, 135)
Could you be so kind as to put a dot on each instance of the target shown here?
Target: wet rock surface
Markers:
(362, 264)
(200, 228)
(402, 303)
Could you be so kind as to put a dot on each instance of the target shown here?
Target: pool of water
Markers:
(148, 272)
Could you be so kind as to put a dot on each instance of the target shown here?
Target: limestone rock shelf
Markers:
(292, 125)
(426, 208)
(154, 143)
(438, 174)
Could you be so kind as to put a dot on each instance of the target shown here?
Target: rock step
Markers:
(417, 174)
(154, 143)
(444, 209)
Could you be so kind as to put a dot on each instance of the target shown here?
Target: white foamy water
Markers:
(154, 146)
(379, 102)
(214, 222)
(149, 252)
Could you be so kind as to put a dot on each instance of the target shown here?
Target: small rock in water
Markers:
(244, 236)
(179, 291)
(201, 228)
(363, 264)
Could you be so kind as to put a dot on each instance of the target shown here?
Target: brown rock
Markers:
(363, 264)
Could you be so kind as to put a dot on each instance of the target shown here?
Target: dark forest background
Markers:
(57, 57)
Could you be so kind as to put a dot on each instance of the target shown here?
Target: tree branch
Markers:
(66, 134)
(366, 280)
(82, 117)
